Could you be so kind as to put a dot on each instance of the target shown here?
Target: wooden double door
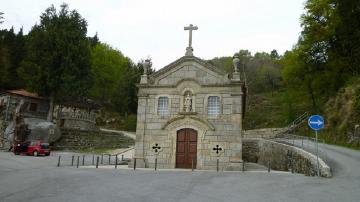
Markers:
(186, 148)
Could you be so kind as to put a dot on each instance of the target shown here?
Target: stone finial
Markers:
(236, 73)
(236, 62)
(144, 78)
(146, 66)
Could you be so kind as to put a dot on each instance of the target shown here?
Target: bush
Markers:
(357, 100)
(130, 122)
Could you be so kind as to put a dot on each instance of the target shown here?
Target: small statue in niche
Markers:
(187, 103)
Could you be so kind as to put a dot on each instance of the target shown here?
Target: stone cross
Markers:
(156, 148)
(217, 149)
(189, 49)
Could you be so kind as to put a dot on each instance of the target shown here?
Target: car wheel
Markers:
(36, 153)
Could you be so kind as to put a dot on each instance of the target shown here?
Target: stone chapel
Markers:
(190, 114)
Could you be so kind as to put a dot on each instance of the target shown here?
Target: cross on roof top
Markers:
(189, 49)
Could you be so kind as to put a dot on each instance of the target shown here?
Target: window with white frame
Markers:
(213, 105)
(163, 106)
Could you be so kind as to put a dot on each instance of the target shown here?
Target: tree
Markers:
(57, 63)
(116, 76)
(274, 55)
(12, 50)
(1, 17)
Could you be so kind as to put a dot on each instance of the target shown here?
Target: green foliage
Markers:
(129, 123)
(263, 74)
(57, 62)
(223, 62)
(357, 100)
(116, 76)
(309, 67)
(12, 50)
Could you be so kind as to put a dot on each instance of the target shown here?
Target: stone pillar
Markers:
(140, 132)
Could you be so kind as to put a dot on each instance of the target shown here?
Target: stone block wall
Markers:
(282, 157)
(79, 139)
(263, 132)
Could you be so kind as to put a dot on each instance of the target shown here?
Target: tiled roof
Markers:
(24, 93)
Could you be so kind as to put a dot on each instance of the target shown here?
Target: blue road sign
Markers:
(316, 122)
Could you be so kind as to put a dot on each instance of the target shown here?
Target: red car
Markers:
(34, 148)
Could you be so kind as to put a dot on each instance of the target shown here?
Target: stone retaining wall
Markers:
(263, 133)
(78, 139)
(282, 156)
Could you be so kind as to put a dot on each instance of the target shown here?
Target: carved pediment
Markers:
(189, 67)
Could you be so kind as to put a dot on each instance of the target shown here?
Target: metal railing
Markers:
(78, 116)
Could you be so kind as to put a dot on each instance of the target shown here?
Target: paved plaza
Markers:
(25, 178)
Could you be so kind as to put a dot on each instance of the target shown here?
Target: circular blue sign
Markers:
(316, 122)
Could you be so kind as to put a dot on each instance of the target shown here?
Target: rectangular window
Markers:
(163, 105)
(33, 107)
(213, 105)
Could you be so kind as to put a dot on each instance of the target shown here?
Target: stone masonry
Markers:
(189, 75)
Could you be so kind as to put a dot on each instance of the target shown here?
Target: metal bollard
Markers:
(58, 164)
(192, 164)
(72, 161)
(134, 163)
(77, 163)
(269, 166)
(83, 160)
(243, 166)
(155, 164)
(92, 162)
(102, 157)
(97, 161)
(116, 161)
(109, 159)
(217, 165)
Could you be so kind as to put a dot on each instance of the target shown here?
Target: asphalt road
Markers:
(25, 178)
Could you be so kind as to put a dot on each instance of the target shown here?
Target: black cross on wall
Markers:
(156, 148)
(217, 149)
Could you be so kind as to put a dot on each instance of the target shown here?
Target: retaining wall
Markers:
(78, 139)
(283, 157)
(263, 133)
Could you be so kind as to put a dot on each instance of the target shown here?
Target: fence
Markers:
(91, 160)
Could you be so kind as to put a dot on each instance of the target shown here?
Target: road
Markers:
(24, 178)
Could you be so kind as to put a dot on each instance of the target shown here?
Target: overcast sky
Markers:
(155, 28)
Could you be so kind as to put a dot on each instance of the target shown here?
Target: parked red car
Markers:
(34, 148)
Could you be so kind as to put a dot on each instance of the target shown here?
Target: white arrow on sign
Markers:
(318, 122)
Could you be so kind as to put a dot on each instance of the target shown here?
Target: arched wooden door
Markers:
(186, 148)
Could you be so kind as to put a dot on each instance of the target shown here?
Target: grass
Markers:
(265, 110)
(89, 150)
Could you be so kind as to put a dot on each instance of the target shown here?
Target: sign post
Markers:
(156, 149)
(316, 122)
(217, 148)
